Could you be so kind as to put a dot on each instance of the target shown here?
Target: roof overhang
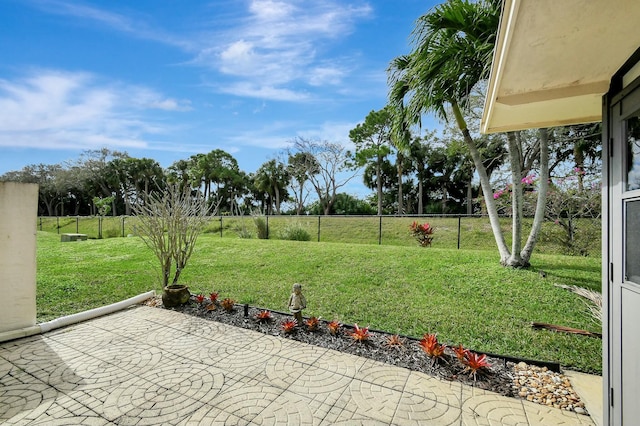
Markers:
(554, 60)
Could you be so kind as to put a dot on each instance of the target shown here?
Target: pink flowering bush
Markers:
(573, 203)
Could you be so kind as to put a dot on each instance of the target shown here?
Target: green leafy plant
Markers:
(228, 304)
(261, 227)
(334, 327)
(360, 335)
(312, 323)
(423, 233)
(295, 232)
(289, 325)
(432, 347)
(264, 316)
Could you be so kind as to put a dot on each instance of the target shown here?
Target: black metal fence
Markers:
(451, 231)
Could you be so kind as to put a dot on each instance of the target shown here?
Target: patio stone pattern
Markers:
(149, 366)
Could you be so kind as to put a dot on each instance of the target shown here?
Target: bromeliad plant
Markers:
(474, 362)
(312, 323)
(200, 298)
(423, 233)
(432, 347)
(334, 327)
(394, 341)
(264, 316)
(289, 325)
(213, 297)
(360, 335)
(228, 304)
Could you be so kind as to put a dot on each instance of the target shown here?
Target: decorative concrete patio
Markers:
(148, 366)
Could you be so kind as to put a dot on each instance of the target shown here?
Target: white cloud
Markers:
(280, 44)
(137, 27)
(248, 89)
(63, 110)
(274, 46)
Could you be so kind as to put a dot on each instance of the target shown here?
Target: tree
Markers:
(272, 179)
(169, 223)
(372, 139)
(453, 46)
(99, 179)
(345, 204)
(300, 167)
(330, 166)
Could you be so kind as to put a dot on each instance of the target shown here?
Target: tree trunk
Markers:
(469, 198)
(420, 206)
(484, 183)
(541, 203)
(515, 156)
(400, 197)
(379, 184)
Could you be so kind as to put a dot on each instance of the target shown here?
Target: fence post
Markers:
(77, 224)
(41, 223)
(267, 227)
(459, 227)
(318, 228)
(220, 226)
(58, 223)
(380, 231)
(123, 219)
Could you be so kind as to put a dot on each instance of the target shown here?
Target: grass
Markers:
(475, 232)
(465, 296)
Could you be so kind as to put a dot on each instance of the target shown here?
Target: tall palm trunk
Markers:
(399, 160)
(516, 200)
(492, 211)
(543, 188)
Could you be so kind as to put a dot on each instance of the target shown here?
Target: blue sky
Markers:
(168, 79)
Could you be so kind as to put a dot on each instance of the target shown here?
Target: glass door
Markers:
(624, 253)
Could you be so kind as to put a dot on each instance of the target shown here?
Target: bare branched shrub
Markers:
(169, 224)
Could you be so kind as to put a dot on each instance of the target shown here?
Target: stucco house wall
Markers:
(18, 215)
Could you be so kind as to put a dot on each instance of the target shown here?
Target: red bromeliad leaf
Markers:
(334, 327)
(200, 298)
(263, 316)
(431, 347)
(227, 304)
(312, 323)
(475, 362)
(394, 341)
(213, 296)
(360, 334)
(289, 325)
(460, 352)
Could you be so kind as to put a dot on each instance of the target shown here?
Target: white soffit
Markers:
(554, 60)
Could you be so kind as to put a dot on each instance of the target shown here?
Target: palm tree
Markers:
(453, 50)
(272, 178)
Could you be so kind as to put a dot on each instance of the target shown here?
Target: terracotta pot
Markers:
(175, 295)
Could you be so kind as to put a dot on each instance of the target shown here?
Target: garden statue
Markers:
(297, 303)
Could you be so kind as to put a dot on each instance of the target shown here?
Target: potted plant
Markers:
(169, 223)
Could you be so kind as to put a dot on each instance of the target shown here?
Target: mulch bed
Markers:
(502, 377)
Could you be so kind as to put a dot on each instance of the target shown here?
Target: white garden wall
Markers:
(18, 215)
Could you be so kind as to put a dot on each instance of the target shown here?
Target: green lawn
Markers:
(465, 296)
(472, 232)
